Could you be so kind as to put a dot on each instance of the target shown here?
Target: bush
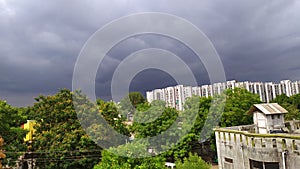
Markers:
(192, 162)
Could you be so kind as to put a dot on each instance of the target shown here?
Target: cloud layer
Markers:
(257, 40)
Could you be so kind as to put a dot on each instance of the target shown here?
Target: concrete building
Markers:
(218, 88)
(170, 96)
(176, 96)
(248, 147)
(196, 91)
(295, 87)
(230, 84)
(180, 94)
(206, 90)
(260, 90)
(286, 87)
(268, 117)
(270, 92)
(187, 92)
(150, 96)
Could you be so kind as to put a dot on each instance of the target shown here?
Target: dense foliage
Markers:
(60, 140)
(291, 104)
(192, 162)
(68, 136)
(130, 102)
(115, 158)
(238, 102)
(11, 131)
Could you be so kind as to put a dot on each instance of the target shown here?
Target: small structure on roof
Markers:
(268, 117)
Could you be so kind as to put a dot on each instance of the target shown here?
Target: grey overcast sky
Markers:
(257, 40)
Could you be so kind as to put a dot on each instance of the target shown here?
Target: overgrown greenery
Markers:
(291, 104)
(192, 162)
(11, 131)
(62, 141)
(116, 158)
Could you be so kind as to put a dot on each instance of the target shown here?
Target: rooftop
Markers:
(291, 129)
(267, 108)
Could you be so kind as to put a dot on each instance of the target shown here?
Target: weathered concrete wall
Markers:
(236, 148)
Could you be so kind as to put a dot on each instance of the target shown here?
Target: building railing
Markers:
(282, 142)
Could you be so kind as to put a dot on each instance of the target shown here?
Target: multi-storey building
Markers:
(206, 90)
(270, 92)
(286, 87)
(230, 84)
(177, 95)
(295, 87)
(180, 94)
(196, 91)
(170, 96)
(218, 88)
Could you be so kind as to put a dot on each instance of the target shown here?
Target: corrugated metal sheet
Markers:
(268, 108)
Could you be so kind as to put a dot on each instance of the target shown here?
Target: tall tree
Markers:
(291, 104)
(238, 102)
(60, 141)
(130, 102)
(111, 114)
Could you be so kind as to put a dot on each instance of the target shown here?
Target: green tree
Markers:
(60, 140)
(238, 102)
(11, 131)
(110, 113)
(196, 110)
(291, 104)
(136, 98)
(192, 162)
(116, 158)
(281, 99)
(155, 120)
(130, 102)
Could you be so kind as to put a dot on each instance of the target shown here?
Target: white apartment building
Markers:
(269, 89)
(286, 87)
(150, 96)
(180, 96)
(206, 90)
(196, 91)
(218, 88)
(230, 84)
(295, 87)
(177, 95)
(170, 96)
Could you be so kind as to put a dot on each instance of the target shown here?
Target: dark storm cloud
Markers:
(257, 40)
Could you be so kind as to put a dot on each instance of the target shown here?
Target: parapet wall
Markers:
(236, 149)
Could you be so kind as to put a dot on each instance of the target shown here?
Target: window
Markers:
(274, 143)
(228, 163)
(228, 160)
(253, 142)
(283, 144)
(270, 165)
(263, 143)
(294, 145)
(263, 165)
(256, 164)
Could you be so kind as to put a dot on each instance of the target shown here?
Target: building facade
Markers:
(177, 95)
(255, 146)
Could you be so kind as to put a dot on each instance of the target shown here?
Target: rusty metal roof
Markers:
(268, 108)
